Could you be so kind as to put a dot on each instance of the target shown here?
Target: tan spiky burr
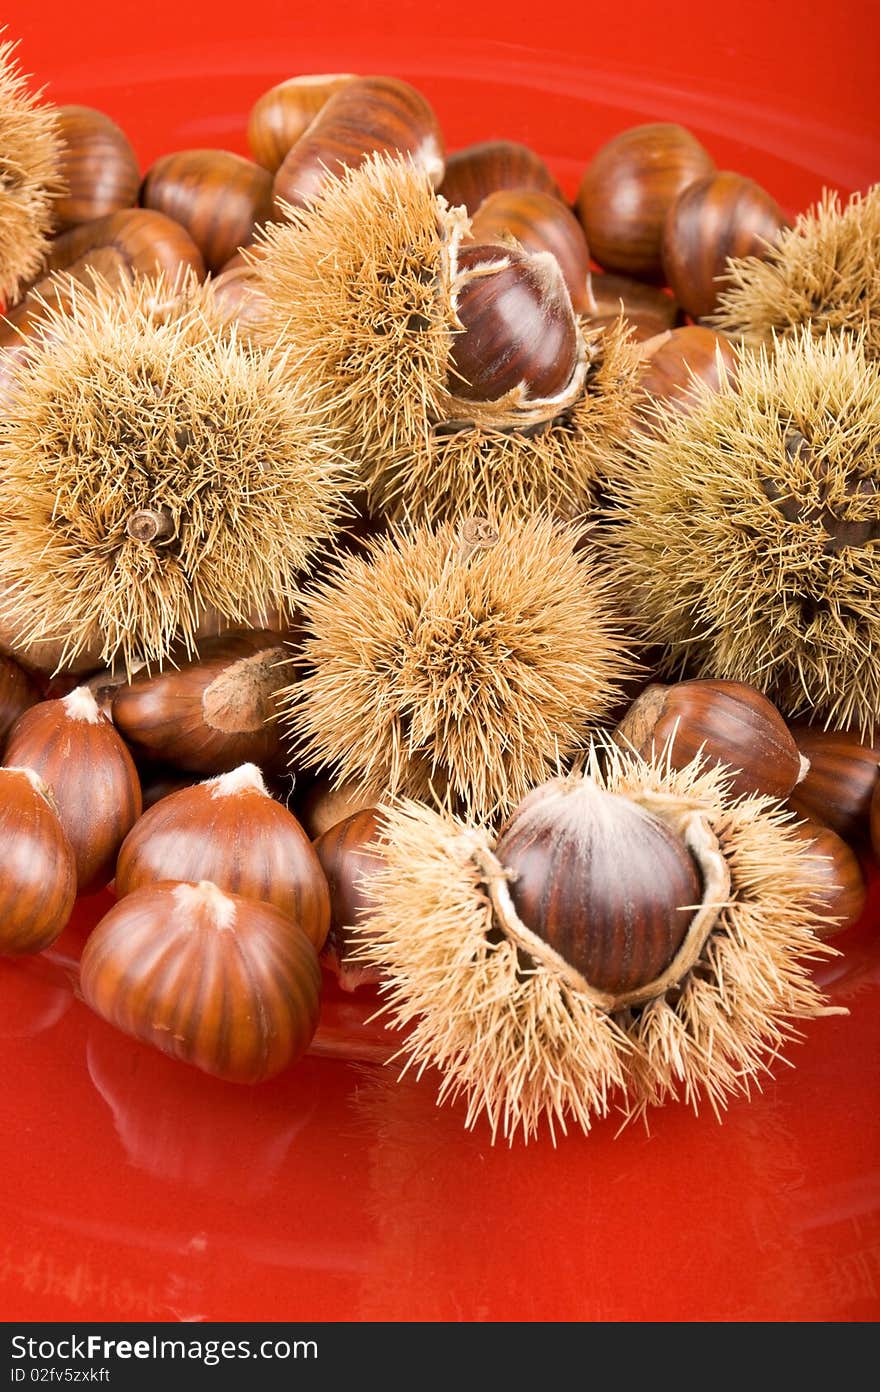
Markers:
(746, 531)
(515, 1025)
(824, 272)
(30, 161)
(154, 468)
(467, 659)
(376, 292)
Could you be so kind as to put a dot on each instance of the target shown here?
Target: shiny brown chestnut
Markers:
(539, 222)
(727, 722)
(844, 772)
(230, 831)
(220, 198)
(323, 806)
(721, 215)
(212, 712)
(38, 883)
(90, 773)
(607, 885)
(284, 113)
(476, 172)
(236, 297)
(17, 694)
(366, 116)
(147, 243)
(99, 170)
(228, 984)
(349, 860)
(840, 890)
(518, 325)
(627, 190)
(677, 360)
(639, 302)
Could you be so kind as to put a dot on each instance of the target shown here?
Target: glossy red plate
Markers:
(135, 1188)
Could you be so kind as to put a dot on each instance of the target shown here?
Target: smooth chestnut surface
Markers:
(840, 889)
(211, 713)
(17, 694)
(366, 116)
(518, 325)
(90, 773)
(228, 984)
(539, 222)
(99, 169)
(611, 888)
(476, 172)
(678, 359)
(146, 241)
(322, 806)
(236, 298)
(349, 861)
(285, 112)
(230, 831)
(638, 301)
(38, 878)
(716, 217)
(627, 190)
(844, 772)
(727, 722)
(220, 198)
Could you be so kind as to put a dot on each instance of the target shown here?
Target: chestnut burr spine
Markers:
(99, 169)
(90, 773)
(220, 198)
(227, 984)
(719, 216)
(366, 116)
(38, 882)
(477, 171)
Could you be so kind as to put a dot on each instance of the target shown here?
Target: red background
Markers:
(138, 1189)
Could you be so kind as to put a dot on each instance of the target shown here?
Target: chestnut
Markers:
(677, 359)
(228, 984)
(99, 170)
(349, 859)
(726, 722)
(477, 171)
(38, 883)
(324, 805)
(518, 325)
(284, 113)
(220, 198)
(627, 190)
(841, 780)
(537, 221)
(212, 712)
(90, 773)
(17, 694)
(147, 243)
(363, 117)
(714, 218)
(840, 890)
(638, 302)
(230, 831)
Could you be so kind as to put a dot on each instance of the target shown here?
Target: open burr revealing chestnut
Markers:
(633, 931)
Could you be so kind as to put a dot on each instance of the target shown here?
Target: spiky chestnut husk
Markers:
(154, 467)
(365, 284)
(431, 666)
(824, 273)
(520, 1039)
(746, 531)
(30, 160)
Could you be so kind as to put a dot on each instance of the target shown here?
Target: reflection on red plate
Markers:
(136, 1188)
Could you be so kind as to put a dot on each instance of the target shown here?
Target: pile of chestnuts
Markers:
(483, 362)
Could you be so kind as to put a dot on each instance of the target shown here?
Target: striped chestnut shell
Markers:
(349, 860)
(231, 831)
(38, 883)
(609, 886)
(227, 984)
